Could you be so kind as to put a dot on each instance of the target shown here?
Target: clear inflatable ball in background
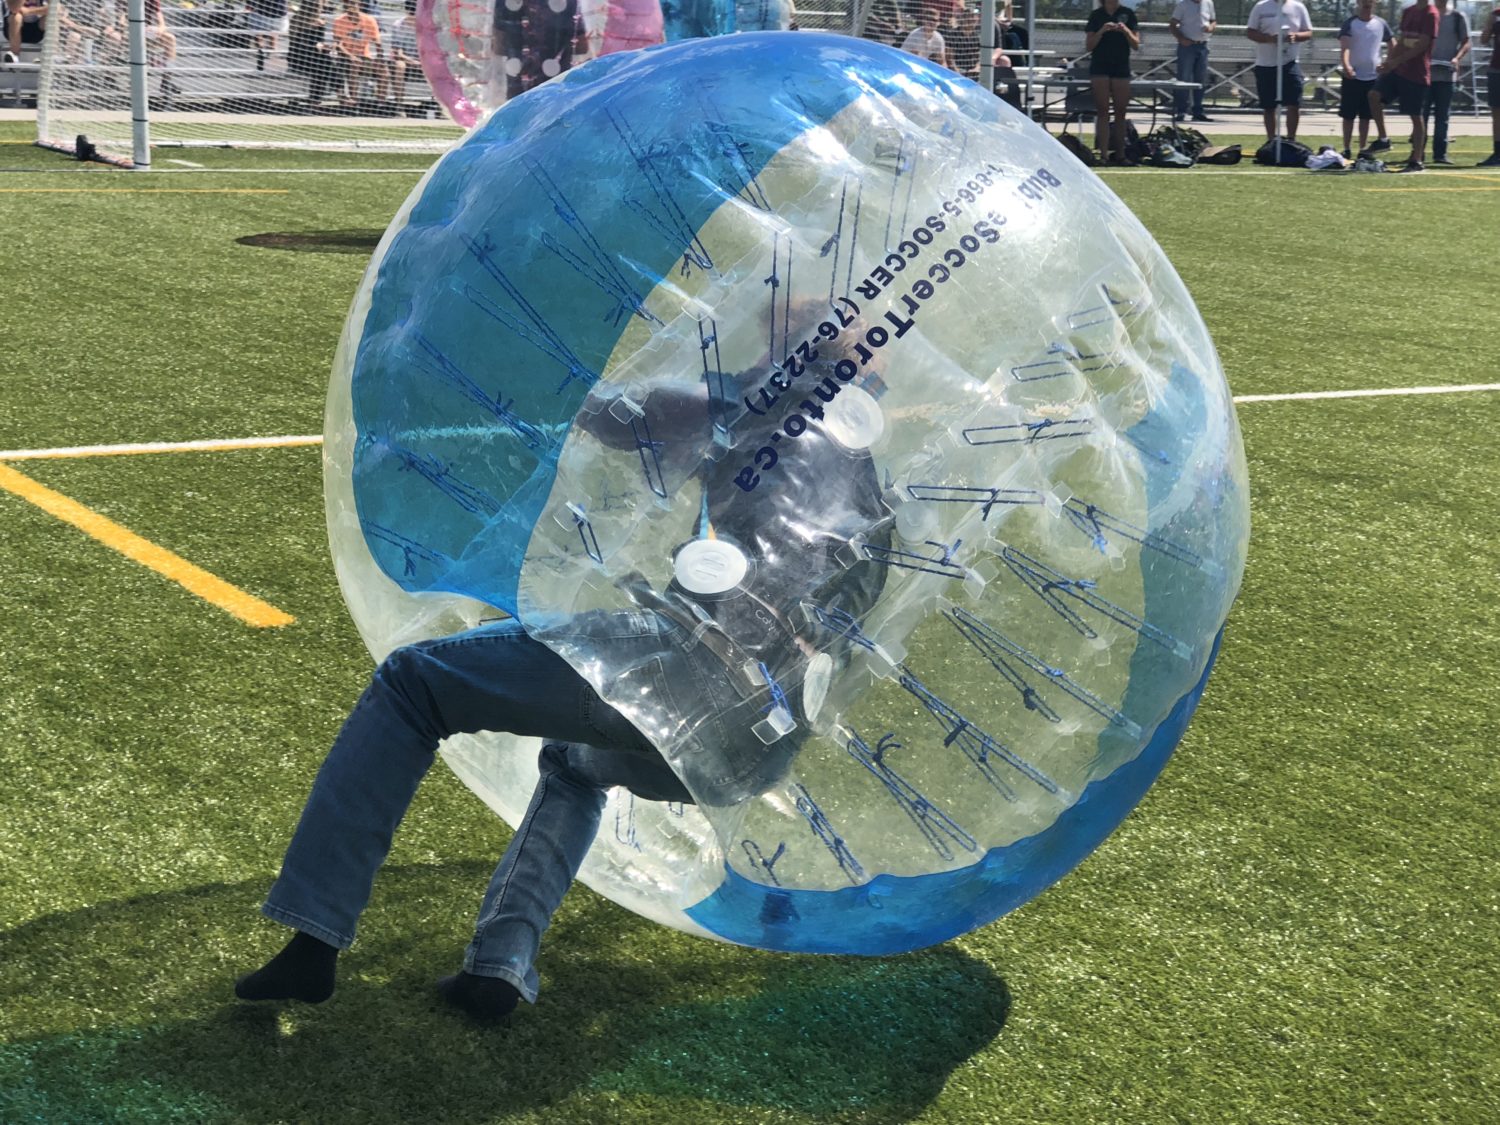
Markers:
(888, 414)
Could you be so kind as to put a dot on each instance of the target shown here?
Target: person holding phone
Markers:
(1109, 37)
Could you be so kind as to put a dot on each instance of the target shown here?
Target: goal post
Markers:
(127, 76)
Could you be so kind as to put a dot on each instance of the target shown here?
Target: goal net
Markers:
(124, 76)
(319, 74)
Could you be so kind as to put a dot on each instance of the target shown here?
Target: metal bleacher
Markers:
(215, 71)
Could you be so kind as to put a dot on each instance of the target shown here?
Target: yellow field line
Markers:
(196, 580)
(1414, 190)
(142, 191)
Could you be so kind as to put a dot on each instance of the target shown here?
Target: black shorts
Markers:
(33, 32)
(1410, 97)
(1494, 89)
(1291, 85)
(1354, 98)
(1108, 70)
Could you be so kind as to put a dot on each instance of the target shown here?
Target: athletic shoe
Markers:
(1444, 161)
(11, 59)
(1178, 118)
(1347, 156)
(1412, 166)
(1381, 145)
(1490, 161)
(1202, 117)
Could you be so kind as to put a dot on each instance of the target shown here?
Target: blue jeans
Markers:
(1437, 109)
(491, 678)
(1192, 66)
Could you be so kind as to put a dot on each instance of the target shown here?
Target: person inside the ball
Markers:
(728, 634)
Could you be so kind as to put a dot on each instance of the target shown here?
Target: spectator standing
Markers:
(1406, 75)
(1193, 22)
(1278, 73)
(1109, 37)
(1447, 56)
(25, 22)
(268, 19)
(925, 40)
(355, 37)
(1488, 38)
(1361, 39)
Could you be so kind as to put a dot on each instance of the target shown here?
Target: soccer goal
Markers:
(120, 77)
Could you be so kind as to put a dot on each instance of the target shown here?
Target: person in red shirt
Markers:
(1406, 75)
(1488, 38)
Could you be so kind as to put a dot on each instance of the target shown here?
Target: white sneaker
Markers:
(11, 59)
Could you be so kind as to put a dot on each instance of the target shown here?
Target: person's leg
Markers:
(1291, 92)
(540, 864)
(1099, 86)
(1414, 101)
(1200, 76)
(1185, 61)
(1440, 104)
(494, 678)
(1265, 93)
(13, 32)
(1119, 96)
(1377, 113)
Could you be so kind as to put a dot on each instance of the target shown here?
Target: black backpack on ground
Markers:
(1075, 145)
(1189, 142)
(1220, 154)
(1281, 153)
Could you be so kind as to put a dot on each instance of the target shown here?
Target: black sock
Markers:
(487, 999)
(304, 970)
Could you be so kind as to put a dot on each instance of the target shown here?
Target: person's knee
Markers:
(407, 670)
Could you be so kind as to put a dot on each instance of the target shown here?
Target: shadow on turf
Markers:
(316, 241)
(631, 1015)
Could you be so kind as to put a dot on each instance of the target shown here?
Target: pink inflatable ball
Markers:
(612, 26)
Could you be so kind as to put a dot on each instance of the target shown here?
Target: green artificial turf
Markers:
(1298, 924)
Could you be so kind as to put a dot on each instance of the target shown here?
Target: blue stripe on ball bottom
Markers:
(894, 914)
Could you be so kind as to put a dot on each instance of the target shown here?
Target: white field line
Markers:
(1299, 396)
(212, 445)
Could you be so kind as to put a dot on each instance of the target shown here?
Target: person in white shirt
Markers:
(1278, 77)
(925, 39)
(1192, 23)
(1360, 42)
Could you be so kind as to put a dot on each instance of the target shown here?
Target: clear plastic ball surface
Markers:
(885, 406)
